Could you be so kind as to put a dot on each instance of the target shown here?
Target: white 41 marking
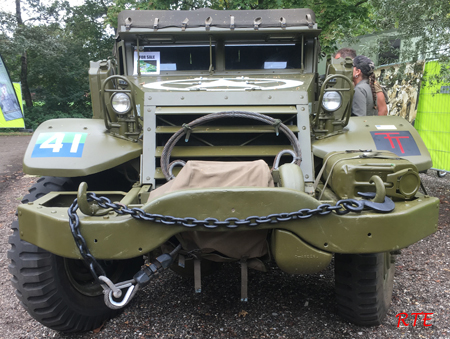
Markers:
(55, 142)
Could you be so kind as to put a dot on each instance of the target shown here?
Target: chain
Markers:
(342, 207)
(74, 221)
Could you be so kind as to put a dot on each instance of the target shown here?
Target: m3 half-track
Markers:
(213, 140)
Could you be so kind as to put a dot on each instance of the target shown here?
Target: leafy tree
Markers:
(57, 41)
(423, 26)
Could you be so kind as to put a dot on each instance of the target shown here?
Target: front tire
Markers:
(58, 292)
(364, 284)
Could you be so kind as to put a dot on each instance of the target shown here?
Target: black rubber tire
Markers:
(44, 285)
(364, 284)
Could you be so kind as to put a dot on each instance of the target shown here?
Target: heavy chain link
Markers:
(74, 221)
(342, 207)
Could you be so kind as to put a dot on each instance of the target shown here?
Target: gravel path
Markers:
(280, 306)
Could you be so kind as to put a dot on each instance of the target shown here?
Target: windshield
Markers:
(235, 56)
(262, 56)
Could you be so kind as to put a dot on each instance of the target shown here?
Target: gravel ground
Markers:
(280, 306)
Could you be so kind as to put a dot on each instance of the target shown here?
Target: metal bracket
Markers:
(309, 21)
(257, 23)
(232, 22)
(208, 23)
(128, 22)
(184, 24)
(283, 22)
(155, 24)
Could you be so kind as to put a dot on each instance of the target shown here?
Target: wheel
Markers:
(58, 292)
(441, 174)
(364, 284)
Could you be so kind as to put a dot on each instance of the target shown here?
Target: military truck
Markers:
(213, 140)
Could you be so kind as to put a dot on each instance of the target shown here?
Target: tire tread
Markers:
(360, 295)
(32, 277)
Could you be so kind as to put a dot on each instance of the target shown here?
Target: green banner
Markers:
(10, 101)
(433, 119)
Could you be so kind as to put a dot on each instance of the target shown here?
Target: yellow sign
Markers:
(14, 123)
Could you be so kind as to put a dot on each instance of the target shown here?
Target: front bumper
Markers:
(45, 222)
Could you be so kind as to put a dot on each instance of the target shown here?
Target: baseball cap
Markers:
(364, 64)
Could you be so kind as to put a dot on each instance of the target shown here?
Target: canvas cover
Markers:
(221, 246)
(222, 19)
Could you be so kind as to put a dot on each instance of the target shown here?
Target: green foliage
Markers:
(60, 41)
(36, 115)
(424, 22)
(423, 28)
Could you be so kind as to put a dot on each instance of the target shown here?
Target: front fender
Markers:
(76, 147)
(378, 133)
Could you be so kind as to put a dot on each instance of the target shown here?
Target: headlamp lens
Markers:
(120, 103)
(332, 100)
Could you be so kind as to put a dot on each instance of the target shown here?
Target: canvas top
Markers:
(210, 19)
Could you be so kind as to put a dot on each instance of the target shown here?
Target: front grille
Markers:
(228, 139)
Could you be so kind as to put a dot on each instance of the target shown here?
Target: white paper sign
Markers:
(384, 127)
(149, 63)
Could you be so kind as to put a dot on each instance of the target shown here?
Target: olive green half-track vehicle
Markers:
(214, 140)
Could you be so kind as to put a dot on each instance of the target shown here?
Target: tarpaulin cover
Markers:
(203, 174)
(222, 19)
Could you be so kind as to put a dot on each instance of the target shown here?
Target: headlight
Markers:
(121, 103)
(332, 100)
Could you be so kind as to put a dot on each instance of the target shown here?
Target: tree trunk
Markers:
(24, 80)
(18, 13)
(24, 63)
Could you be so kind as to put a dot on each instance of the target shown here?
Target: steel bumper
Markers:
(45, 222)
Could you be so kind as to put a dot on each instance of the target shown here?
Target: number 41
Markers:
(58, 142)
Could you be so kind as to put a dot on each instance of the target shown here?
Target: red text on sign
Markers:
(403, 316)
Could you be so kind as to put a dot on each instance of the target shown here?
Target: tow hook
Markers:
(380, 202)
(142, 278)
(85, 205)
